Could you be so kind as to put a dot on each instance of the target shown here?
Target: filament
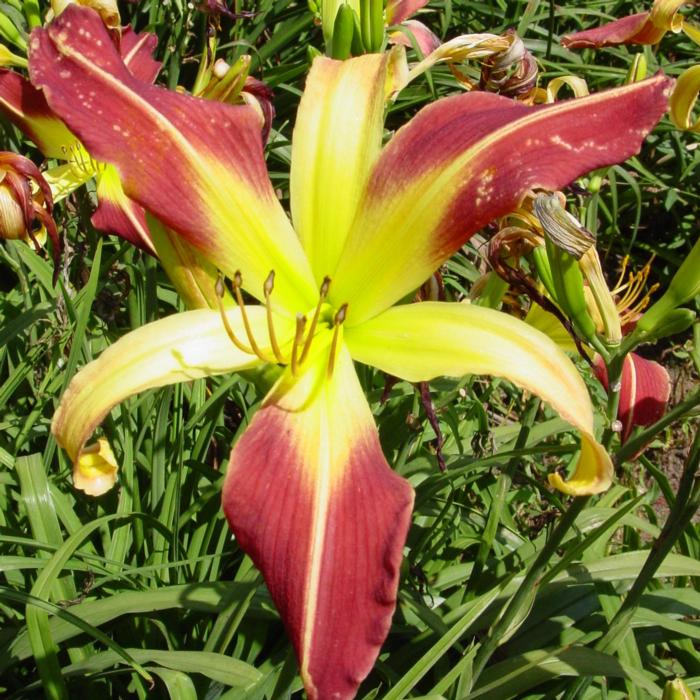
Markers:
(339, 318)
(323, 293)
(298, 337)
(237, 282)
(219, 289)
(268, 287)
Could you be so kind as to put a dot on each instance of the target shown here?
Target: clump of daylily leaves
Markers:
(301, 296)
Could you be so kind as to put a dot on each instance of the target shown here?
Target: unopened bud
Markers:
(12, 221)
(677, 690)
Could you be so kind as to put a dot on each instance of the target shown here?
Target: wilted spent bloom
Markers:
(25, 200)
(95, 472)
(513, 72)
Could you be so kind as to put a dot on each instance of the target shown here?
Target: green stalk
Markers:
(614, 367)
(680, 516)
(532, 580)
(33, 13)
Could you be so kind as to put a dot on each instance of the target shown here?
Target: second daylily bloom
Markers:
(308, 492)
(26, 107)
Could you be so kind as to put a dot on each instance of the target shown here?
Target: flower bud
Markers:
(12, 221)
(25, 201)
(677, 690)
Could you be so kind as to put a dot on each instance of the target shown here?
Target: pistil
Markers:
(323, 293)
(298, 337)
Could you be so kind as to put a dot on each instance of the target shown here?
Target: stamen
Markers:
(267, 288)
(220, 289)
(339, 318)
(618, 285)
(298, 337)
(237, 282)
(323, 293)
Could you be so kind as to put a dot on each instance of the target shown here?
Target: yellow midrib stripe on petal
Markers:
(322, 499)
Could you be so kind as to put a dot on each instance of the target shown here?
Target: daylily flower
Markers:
(26, 108)
(641, 28)
(308, 493)
(25, 200)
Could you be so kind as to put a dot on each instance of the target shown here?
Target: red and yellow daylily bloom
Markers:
(308, 493)
(25, 106)
(641, 28)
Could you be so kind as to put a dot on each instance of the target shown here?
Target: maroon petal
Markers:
(465, 160)
(137, 53)
(311, 499)
(635, 29)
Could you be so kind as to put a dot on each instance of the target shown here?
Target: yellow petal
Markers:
(337, 139)
(683, 99)
(179, 348)
(418, 342)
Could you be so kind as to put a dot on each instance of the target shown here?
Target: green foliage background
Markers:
(143, 592)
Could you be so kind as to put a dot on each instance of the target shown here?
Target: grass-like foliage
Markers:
(508, 588)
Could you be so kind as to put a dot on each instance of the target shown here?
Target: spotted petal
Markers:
(465, 160)
(419, 342)
(311, 499)
(196, 164)
(179, 348)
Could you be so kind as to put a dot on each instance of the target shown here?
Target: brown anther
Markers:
(323, 293)
(219, 288)
(237, 283)
(338, 321)
(298, 337)
(269, 283)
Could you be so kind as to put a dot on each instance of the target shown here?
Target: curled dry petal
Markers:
(95, 471)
